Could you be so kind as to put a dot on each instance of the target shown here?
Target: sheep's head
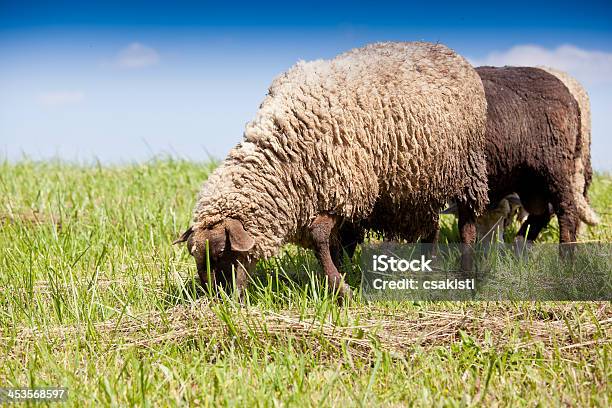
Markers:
(228, 247)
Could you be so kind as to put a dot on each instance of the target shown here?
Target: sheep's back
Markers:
(397, 125)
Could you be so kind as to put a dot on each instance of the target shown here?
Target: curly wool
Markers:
(533, 137)
(384, 134)
(583, 172)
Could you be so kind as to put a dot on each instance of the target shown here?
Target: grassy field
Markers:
(94, 298)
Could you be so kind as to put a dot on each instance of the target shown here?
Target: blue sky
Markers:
(121, 81)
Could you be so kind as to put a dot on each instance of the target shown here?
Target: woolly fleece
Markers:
(385, 135)
(533, 140)
(583, 171)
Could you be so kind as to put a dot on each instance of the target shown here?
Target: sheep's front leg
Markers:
(539, 213)
(238, 280)
(531, 229)
(321, 231)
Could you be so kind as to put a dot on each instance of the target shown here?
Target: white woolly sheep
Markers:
(381, 136)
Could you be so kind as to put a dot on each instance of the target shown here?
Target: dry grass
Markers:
(31, 217)
(368, 330)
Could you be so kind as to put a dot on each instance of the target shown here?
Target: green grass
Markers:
(94, 298)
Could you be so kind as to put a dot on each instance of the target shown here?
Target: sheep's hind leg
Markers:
(321, 231)
(567, 215)
(467, 234)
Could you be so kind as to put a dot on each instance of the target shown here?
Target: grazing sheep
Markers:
(502, 213)
(533, 143)
(381, 136)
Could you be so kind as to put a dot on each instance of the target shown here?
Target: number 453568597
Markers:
(33, 394)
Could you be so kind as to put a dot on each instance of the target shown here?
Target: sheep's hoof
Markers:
(467, 260)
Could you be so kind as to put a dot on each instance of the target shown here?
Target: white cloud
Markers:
(588, 66)
(136, 55)
(60, 98)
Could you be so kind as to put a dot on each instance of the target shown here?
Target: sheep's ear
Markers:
(184, 237)
(240, 240)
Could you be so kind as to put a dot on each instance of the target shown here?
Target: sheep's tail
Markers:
(582, 165)
(585, 212)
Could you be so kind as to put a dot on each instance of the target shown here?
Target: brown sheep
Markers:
(533, 140)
